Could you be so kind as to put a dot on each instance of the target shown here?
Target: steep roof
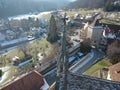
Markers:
(115, 72)
(83, 82)
(31, 81)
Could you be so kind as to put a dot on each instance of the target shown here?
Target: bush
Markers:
(85, 46)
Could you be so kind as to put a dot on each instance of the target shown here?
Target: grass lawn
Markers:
(95, 69)
(31, 49)
(46, 49)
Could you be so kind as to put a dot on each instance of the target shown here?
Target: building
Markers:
(67, 80)
(111, 33)
(31, 81)
(108, 33)
(83, 33)
(114, 72)
(95, 33)
(10, 34)
(14, 24)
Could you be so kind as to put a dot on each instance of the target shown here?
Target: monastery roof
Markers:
(31, 81)
(82, 82)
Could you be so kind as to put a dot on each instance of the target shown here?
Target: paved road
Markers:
(95, 56)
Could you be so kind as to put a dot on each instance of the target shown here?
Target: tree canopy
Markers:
(87, 4)
(113, 51)
(52, 33)
(85, 45)
(0, 72)
(112, 5)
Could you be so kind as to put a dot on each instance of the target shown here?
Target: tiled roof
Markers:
(82, 82)
(32, 81)
(115, 72)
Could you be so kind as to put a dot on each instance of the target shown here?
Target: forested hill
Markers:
(15, 7)
(87, 4)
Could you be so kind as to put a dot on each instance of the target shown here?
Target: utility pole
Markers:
(62, 63)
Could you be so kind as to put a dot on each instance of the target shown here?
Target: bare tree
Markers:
(113, 51)
(24, 50)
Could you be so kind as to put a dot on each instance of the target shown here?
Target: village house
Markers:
(25, 24)
(35, 30)
(95, 33)
(10, 35)
(13, 24)
(111, 33)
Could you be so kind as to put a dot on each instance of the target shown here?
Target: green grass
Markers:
(96, 67)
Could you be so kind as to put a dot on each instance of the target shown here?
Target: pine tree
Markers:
(52, 33)
(0, 72)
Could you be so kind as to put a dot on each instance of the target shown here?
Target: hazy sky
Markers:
(56, 0)
(72, 0)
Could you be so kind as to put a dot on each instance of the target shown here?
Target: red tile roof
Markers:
(32, 81)
(115, 72)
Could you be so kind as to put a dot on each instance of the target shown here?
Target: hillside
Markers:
(16, 7)
(87, 4)
(107, 5)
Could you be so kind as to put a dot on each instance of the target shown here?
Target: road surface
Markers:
(93, 57)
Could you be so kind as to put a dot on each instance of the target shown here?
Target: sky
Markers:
(72, 0)
(56, 0)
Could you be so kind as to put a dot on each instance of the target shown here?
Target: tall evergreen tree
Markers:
(0, 72)
(52, 33)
